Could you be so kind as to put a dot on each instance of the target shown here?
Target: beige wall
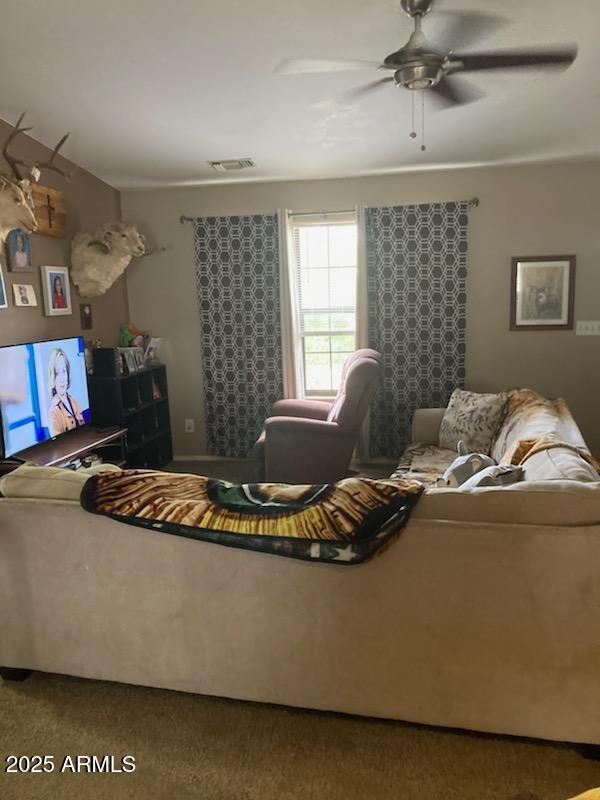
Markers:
(525, 210)
(90, 202)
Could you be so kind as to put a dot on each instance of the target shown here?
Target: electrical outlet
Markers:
(588, 328)
(190, 425)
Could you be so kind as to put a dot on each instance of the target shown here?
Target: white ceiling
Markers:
(153, 90)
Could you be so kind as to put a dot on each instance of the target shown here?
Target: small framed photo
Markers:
(127, 354)
(151, 353)
(24, 295)
(130, 360)
(57, 293)
(122, 365)
(85, 314)
(542, 293)
(3, 297)
(138, 354)
(19, 250)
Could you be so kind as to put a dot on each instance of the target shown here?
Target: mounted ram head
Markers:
(16, 201)
(98, 259)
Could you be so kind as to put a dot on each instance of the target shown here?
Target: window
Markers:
(325, 263)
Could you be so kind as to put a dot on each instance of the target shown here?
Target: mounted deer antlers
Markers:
(34, 167)
(12, 162)
(16, 203)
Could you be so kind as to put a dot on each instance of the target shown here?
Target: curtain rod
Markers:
(183, 218)
(322, 213)
(472, 203)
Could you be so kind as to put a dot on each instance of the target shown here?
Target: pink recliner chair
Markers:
(311, 441)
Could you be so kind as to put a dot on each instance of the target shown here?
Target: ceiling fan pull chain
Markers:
(423, 147)
(413, 133)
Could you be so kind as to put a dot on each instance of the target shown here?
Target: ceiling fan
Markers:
(419, 65)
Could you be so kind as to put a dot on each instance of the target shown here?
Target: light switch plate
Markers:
(588, 328)
(190, 426)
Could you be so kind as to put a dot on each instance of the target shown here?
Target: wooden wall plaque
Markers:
(50, 210)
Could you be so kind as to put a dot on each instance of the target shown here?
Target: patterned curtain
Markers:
(237, 280)
(416, 274)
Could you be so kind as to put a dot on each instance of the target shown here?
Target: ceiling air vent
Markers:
(232, 164)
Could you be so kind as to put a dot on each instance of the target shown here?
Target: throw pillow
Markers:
(500, 475)
(472, 417)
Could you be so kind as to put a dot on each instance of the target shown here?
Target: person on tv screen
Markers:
(64, 412)
(58, 296)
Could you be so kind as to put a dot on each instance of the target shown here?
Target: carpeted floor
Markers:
(188, 746)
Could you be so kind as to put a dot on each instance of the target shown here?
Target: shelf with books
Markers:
(138, 401)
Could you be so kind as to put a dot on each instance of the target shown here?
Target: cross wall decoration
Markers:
(50, 210)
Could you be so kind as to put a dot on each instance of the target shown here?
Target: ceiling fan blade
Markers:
(453, 91)
(464, 29)
(361, 91)
(560, 57)
(300, 66)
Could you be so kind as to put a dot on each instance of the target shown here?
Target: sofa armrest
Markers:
(309, 409)
(426, 425)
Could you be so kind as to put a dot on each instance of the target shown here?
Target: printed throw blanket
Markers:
(342, 523)
(525, 448)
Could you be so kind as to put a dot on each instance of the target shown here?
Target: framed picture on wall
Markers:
(57, 293)
(24, 295)
(542, 293)
(18, 245)
(3, 297)
(85, 314)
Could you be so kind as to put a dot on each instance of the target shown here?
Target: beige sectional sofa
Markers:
(534, 432)
(484, 614)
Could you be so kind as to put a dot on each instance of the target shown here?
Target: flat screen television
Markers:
(43, 391)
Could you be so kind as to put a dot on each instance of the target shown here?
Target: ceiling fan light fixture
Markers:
(420, 83)
(416, 8)
(419, 76)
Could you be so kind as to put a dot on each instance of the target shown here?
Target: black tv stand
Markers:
(110, 443)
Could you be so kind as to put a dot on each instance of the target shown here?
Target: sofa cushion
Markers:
(559, 464)
(49, 483)
(426, 463)
(528, 415)
(543, 503)
(473, 418)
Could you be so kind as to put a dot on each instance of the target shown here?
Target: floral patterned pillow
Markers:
(472, 418)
